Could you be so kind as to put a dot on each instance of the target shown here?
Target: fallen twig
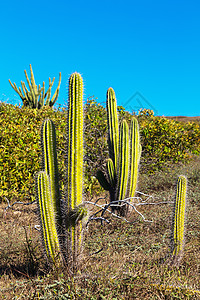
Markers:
(105, 207)
(17, 202)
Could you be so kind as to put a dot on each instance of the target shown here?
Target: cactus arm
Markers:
(111, 173)
(21, 94)
(103, 181)
(43, 94)
(13, 86)
(16, 89)
(123, 160)
(41, 100)
(113, 130)
(28, 95)
(33, 85)
(33, 94)
(135, 153)
(34, 89)
(48, 93)
(47, 218)
(28, 81)
(179, 217)
(55, 96)
(50, 165)
(24, 89)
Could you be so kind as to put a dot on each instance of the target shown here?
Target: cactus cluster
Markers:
(61, 220)
(124, 155)
(36, 96)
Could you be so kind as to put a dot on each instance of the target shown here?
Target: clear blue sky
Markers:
(149, 47)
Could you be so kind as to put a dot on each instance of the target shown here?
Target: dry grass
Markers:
(120, 260)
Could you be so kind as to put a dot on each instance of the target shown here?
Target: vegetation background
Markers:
(120, 260)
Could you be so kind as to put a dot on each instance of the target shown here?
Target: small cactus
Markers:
(47, 217)
(178, 221)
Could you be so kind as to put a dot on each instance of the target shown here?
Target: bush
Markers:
(165, 141)
(162, 140)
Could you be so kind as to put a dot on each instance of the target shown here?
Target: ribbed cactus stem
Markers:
(123, 169)
(50, 165)
(179, 218)
(111, 173)
(113, 129)
(47, 216)
(75, 141)
(135, 153)
(74, 193)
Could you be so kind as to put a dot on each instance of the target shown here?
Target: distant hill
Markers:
(183, 118)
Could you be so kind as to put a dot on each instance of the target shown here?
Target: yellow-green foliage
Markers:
(20, 150)
(162, 141)
(165, 140)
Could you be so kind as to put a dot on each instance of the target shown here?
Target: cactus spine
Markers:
(36, 96)
(178, 221)
(61, 222)
(124, 156)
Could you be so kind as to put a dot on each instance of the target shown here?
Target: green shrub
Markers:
(165, 141)
(162, 141)
(19, 148)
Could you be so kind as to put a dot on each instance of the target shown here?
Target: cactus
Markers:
(135, 154)
(74, 161)
(61, 221)
(177, 238)
(48, 194)
(124, 156)
(47, 217)
(123, 168)
(36, 96)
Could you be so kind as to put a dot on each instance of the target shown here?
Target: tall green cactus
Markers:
(36, 96)
(124, 155)
(61, 221)
(74, 164)
(178, 222)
